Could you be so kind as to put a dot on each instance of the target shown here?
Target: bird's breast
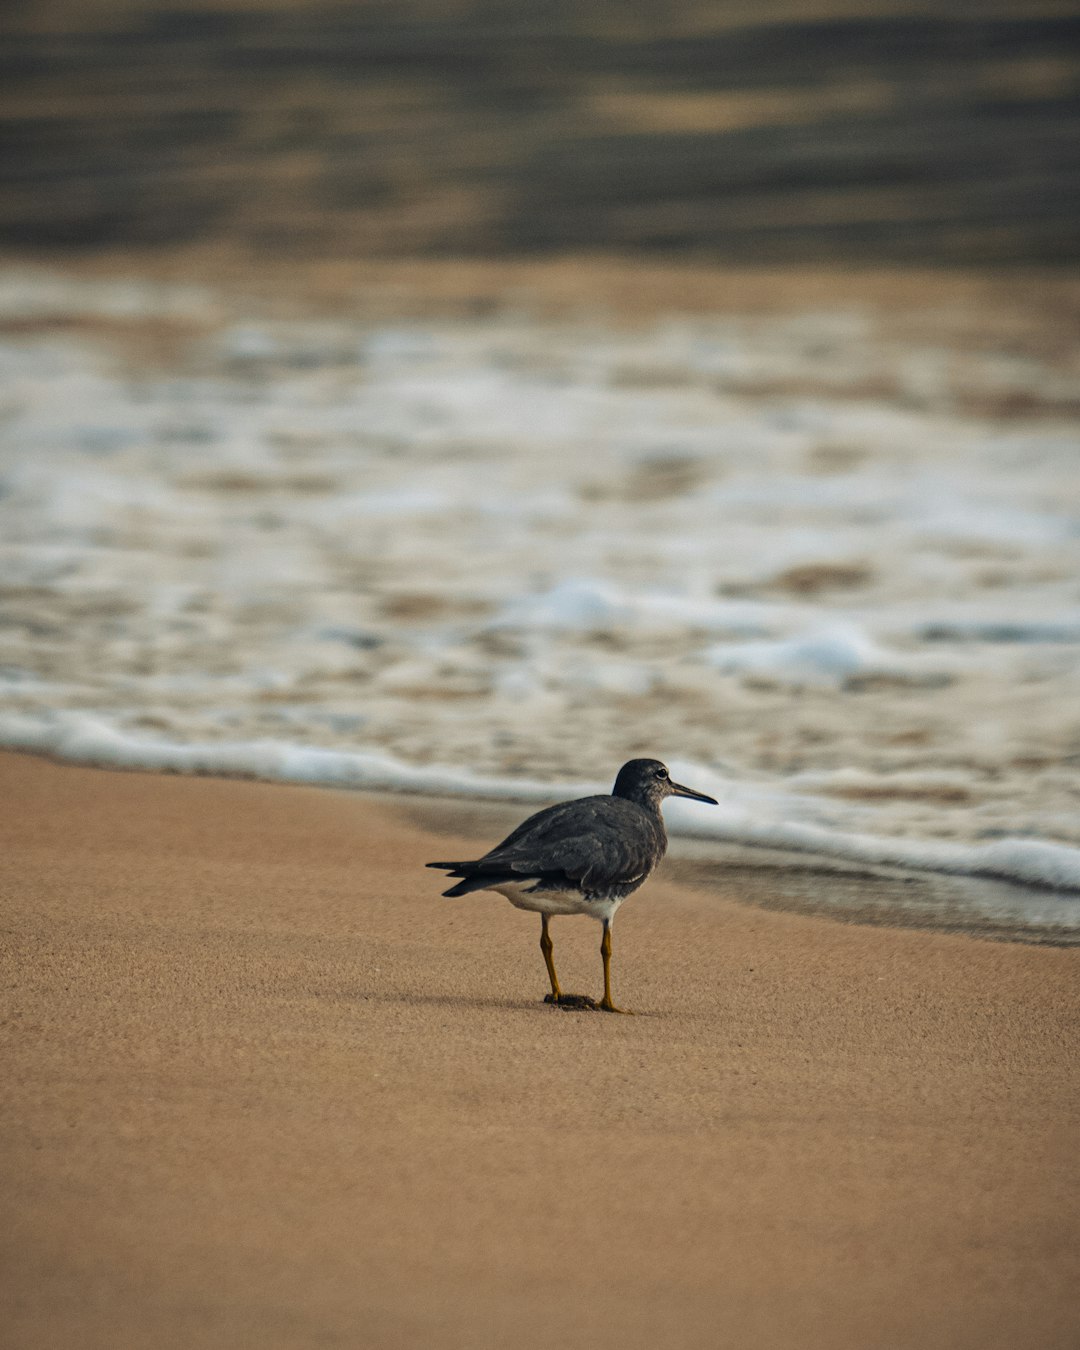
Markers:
(533, 895)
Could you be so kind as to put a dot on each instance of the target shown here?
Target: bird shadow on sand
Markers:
(463, 1002)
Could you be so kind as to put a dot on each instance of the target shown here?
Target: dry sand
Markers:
(263, 1087)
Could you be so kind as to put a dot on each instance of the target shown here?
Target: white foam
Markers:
(589, 606)
(84, 739)
(832, 656)
(508, 544)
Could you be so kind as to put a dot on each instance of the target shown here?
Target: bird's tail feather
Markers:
(470, 884)
(471, 878)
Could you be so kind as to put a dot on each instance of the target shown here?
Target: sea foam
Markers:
(344, 551)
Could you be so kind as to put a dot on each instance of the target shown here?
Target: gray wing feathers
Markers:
(611, 840)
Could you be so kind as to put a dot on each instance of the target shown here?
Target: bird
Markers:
(584, 856)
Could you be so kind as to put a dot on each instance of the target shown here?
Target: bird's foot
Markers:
(572, 1002)
(606, 1005)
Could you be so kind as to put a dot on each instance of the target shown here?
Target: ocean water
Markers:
(806, 560)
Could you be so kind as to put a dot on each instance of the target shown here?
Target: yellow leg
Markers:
(547, 947)
(557, 995)
(607, 1003)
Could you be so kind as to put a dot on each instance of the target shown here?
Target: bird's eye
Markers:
(661, 772)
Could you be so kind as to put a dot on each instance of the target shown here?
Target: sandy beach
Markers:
(264, 1087)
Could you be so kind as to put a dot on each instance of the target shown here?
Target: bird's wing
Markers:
(582, 841)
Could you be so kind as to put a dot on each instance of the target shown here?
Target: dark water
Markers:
(888, 897)
(495, 128)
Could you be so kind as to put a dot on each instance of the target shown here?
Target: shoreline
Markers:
(979, 903)
(266, 1087)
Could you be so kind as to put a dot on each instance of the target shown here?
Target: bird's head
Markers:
(648, 782)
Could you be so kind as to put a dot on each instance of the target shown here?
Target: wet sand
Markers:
(264, 1087)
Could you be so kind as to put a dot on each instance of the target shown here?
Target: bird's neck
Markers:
(645, 800)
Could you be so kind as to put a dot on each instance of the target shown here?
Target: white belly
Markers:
(522, 896)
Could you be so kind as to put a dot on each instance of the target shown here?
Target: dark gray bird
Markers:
(580, 857)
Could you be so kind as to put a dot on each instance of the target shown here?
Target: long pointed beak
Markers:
(678, 790)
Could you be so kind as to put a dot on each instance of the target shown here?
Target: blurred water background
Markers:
(849, 130)
(467, 397)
